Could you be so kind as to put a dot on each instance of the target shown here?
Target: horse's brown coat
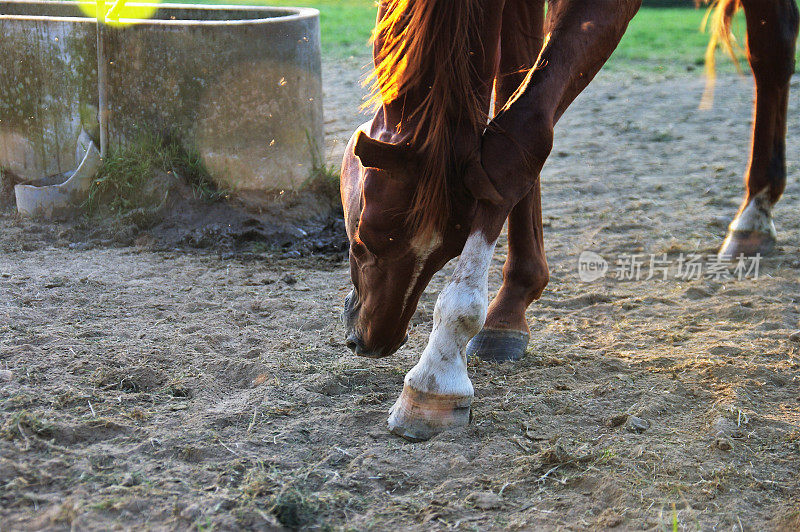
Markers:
(538, 65)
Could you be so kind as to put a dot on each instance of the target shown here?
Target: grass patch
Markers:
(105, 505)
(286, 496)
(324, 181)
(128, 179)
(294, 508)
(323, 178)
(23, 424)
(669, 40)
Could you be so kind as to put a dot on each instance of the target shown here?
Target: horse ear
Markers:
(382, 155)
(480, 186)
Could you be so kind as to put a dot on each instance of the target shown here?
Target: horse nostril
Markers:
(352, 343)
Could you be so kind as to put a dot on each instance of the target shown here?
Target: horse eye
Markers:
(373, 241)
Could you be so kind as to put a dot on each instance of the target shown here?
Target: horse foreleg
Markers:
(772, 27)
(437, 392)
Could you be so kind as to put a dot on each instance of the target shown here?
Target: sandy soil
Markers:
(162, 389)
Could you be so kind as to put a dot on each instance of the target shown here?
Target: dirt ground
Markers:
(159, 388)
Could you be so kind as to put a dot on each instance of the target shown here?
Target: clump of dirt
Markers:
(8, 180)
(297, 223)
(174, 215)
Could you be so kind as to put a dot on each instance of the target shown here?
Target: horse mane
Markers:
(425, 51)
(720, 17)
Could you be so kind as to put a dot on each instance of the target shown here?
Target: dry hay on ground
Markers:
(162, 389)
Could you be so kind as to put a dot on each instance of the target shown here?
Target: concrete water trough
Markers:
(239, 85)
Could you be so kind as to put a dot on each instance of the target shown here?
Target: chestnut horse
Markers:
(426, 180)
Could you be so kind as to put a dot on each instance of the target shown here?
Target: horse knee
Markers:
(539, 278)
(772, 41)
(461, 309)
(541, 132)
(530, 276)
(540, 281)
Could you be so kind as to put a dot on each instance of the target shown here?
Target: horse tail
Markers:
(718, 20)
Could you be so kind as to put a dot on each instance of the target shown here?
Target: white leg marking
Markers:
(756, 216)
(458, 316)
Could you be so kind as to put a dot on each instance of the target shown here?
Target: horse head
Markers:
(390, 266)
(391, 262)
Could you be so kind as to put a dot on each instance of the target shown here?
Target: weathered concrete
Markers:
(240, 85)
(62, 196)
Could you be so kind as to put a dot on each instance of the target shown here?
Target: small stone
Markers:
(609, 519)
(720, 221)
(144, 240)
(636, 424)
(616, 421)
(253, 353)
(299, 233)
(723, 444)
(723, 428)
(485, 500)
(6, 375)
(459, 462)
(128, 480)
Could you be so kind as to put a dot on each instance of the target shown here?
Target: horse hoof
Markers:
(747, 243)
(418, 416)
(498, 345)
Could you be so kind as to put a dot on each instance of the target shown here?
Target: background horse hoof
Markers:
(498, 345)
(418, 416)
(747, 243)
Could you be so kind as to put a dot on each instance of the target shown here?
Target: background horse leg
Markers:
(525, 275)
(505, 334)
(772, 27)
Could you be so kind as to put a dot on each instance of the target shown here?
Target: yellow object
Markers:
(117, 13)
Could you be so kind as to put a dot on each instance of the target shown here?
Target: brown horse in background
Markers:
(426, 180)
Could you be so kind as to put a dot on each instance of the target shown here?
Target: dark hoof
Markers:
(498, 345)
(419, 416)
(747, 243)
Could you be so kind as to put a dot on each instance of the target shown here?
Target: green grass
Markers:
(659, 39)
(127, 171)
(668, 39)
(346, 24)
